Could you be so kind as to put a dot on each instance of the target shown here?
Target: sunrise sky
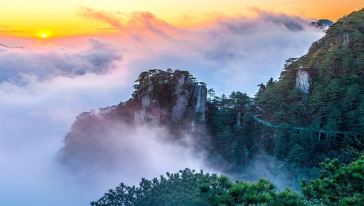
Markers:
(59, 18)
(59, 58)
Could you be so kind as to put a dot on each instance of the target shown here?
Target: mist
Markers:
(33, 175)
(43, 88)
(129, 151)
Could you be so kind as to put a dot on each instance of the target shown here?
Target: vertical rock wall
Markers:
(200, 96)
(182, 98)
(303, 81)
(172, 97)
(169, 99)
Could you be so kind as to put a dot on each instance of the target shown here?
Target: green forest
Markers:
(317, 132)
(337, 184)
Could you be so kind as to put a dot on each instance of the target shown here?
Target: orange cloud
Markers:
(101, 16)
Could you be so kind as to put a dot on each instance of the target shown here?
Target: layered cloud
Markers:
(43, 88)
(18, 65)
(241, 51)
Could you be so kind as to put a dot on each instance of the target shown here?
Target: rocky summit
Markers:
(170, 99)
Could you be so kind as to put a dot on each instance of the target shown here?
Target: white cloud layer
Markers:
(43, 90)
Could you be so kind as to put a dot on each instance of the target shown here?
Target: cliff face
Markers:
(303, 81)
(169, 99)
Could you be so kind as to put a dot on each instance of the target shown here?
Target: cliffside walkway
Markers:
(301, 129)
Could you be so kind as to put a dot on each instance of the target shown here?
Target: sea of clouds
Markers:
(43, 88)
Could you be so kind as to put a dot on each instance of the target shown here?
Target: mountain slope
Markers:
(323, 91)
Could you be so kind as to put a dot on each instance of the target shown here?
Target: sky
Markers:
(61, 58)
(61, 17)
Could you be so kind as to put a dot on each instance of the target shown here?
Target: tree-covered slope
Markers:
(323, 92)
(335, 66)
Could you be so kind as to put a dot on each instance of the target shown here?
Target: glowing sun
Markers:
(44, 34)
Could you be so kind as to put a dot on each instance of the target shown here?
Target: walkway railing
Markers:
(308, 129)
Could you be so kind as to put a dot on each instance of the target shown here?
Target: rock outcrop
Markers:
(303, 80)
(171, 98)
(322, 23)
(168, 99)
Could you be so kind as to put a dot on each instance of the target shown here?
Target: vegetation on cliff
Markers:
(332, 110)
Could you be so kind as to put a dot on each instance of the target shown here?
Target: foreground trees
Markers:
(338, 184)
(189, 188)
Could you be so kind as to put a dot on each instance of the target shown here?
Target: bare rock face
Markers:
(168, 99)
(199, 101)
(345, 40)
(182, 95)
(303, 81)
